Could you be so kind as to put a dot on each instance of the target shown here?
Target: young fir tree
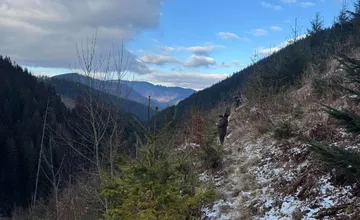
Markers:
(343, 16)
(339, 157)
(317, 24)
(158, 184)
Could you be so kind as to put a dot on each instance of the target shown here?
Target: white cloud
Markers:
(192, 80)
(304, 4)
(197, 61)
(167, 49)
(269, 5)
(275, 28)
(289, 1)
(237, 63)
(269, 51)
(159, 59)
(192, 61)
(259, 32)
(45, 32)
(234, 63)
(197, 50)
(200, 50)
(228, 35)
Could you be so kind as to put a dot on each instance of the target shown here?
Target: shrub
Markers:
(348, 161)
(283, 130)
(158, 184)
(319, 86)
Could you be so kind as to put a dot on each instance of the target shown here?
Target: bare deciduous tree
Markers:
(295, 32)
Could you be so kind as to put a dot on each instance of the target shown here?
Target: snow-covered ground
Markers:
(267, 179)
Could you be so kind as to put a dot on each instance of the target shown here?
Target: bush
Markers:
(347, 161)
(319, 86)
(283, 130)
(158, 184)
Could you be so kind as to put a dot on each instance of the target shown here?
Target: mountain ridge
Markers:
(161, 96)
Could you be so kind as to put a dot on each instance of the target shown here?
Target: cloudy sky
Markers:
(188, 43)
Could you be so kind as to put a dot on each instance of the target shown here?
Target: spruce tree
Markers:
(339, 157)
(348, 118)
(158, 184)
(317, 24)
(342, 19)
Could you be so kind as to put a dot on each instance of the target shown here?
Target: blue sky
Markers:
(176, 42)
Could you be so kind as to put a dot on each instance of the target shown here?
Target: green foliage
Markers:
(283, 130)
(346, 160)
(347, 118)
(158, 184)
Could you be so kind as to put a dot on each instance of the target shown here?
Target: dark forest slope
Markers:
(23, 102)
(275, 71)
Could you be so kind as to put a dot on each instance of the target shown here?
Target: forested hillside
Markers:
(24, 103)
(279, 69)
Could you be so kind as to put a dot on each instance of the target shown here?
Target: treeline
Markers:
(284, 67)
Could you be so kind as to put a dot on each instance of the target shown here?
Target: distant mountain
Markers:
(163, 94)
(110, 87)
(69, 90)
(138, 91)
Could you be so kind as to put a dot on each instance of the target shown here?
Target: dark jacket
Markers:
(222, 128)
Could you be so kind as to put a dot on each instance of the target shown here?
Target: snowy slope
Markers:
(268, 178)
(265, 179)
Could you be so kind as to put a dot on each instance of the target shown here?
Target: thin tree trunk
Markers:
(40, 153)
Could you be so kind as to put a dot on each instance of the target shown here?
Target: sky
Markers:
(187, 43)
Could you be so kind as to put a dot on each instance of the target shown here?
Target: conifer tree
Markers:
(347, 117)
(339, 157)
(317, 24)
(343, 16)
(157, 184)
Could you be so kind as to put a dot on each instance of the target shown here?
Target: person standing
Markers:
(222, 127)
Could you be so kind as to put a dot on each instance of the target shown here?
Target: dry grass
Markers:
(80, 201)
